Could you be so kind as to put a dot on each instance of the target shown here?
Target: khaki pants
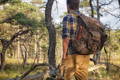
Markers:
(76, 65)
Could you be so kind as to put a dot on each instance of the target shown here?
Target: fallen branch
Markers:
(93, 68)
(32, 68)
(38, 76)
(102, 65)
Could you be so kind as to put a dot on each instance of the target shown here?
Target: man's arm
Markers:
(65, 47)
(65, 35)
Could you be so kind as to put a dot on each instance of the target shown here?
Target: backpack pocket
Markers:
(78, 46)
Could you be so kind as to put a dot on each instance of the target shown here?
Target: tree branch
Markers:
(103, 4)
(111, 13)
(21, 32)
(32, 68)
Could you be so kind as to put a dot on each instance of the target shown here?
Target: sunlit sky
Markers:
(59, 8)
(26, 0)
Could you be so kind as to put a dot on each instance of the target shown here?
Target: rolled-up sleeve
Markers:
(65, 28)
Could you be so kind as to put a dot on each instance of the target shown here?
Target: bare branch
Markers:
(111, 13)
(19, 34)
(103, 4)
(4, 41)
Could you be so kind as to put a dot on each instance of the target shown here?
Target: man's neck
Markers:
(74, 12)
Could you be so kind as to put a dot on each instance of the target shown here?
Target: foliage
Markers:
(22, 14)
(22, 19)
(113, 45)
(84, 3)
(37, 1)
(9, 1)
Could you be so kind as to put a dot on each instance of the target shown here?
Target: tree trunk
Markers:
(92, 9)
(2, 61)
(119, 3)
(98, 10)
(5, 45)
(52, 33)
(24, 55)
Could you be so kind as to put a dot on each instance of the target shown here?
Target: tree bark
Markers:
(52, 33)
(2, 60)
(5, 44)
(24, 54)
(119, 3)
(98, 10)
(92, 9)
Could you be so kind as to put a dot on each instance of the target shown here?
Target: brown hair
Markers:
(73, 4)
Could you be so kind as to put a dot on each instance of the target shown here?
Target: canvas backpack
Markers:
(90, 36)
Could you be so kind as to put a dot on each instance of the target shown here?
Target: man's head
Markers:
(73, 4)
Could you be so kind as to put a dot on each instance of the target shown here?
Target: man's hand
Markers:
(64, 56)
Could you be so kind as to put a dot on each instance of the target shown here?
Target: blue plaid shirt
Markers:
(70, 25)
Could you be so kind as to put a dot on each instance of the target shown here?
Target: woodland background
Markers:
(30, 39)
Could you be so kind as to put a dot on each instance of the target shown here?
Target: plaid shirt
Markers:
(70, 24)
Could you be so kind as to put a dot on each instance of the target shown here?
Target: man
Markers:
(73, 63)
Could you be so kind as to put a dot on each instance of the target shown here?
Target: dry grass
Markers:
(14, 68)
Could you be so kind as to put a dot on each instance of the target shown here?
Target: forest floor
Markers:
(14, 69)
(102, 74)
